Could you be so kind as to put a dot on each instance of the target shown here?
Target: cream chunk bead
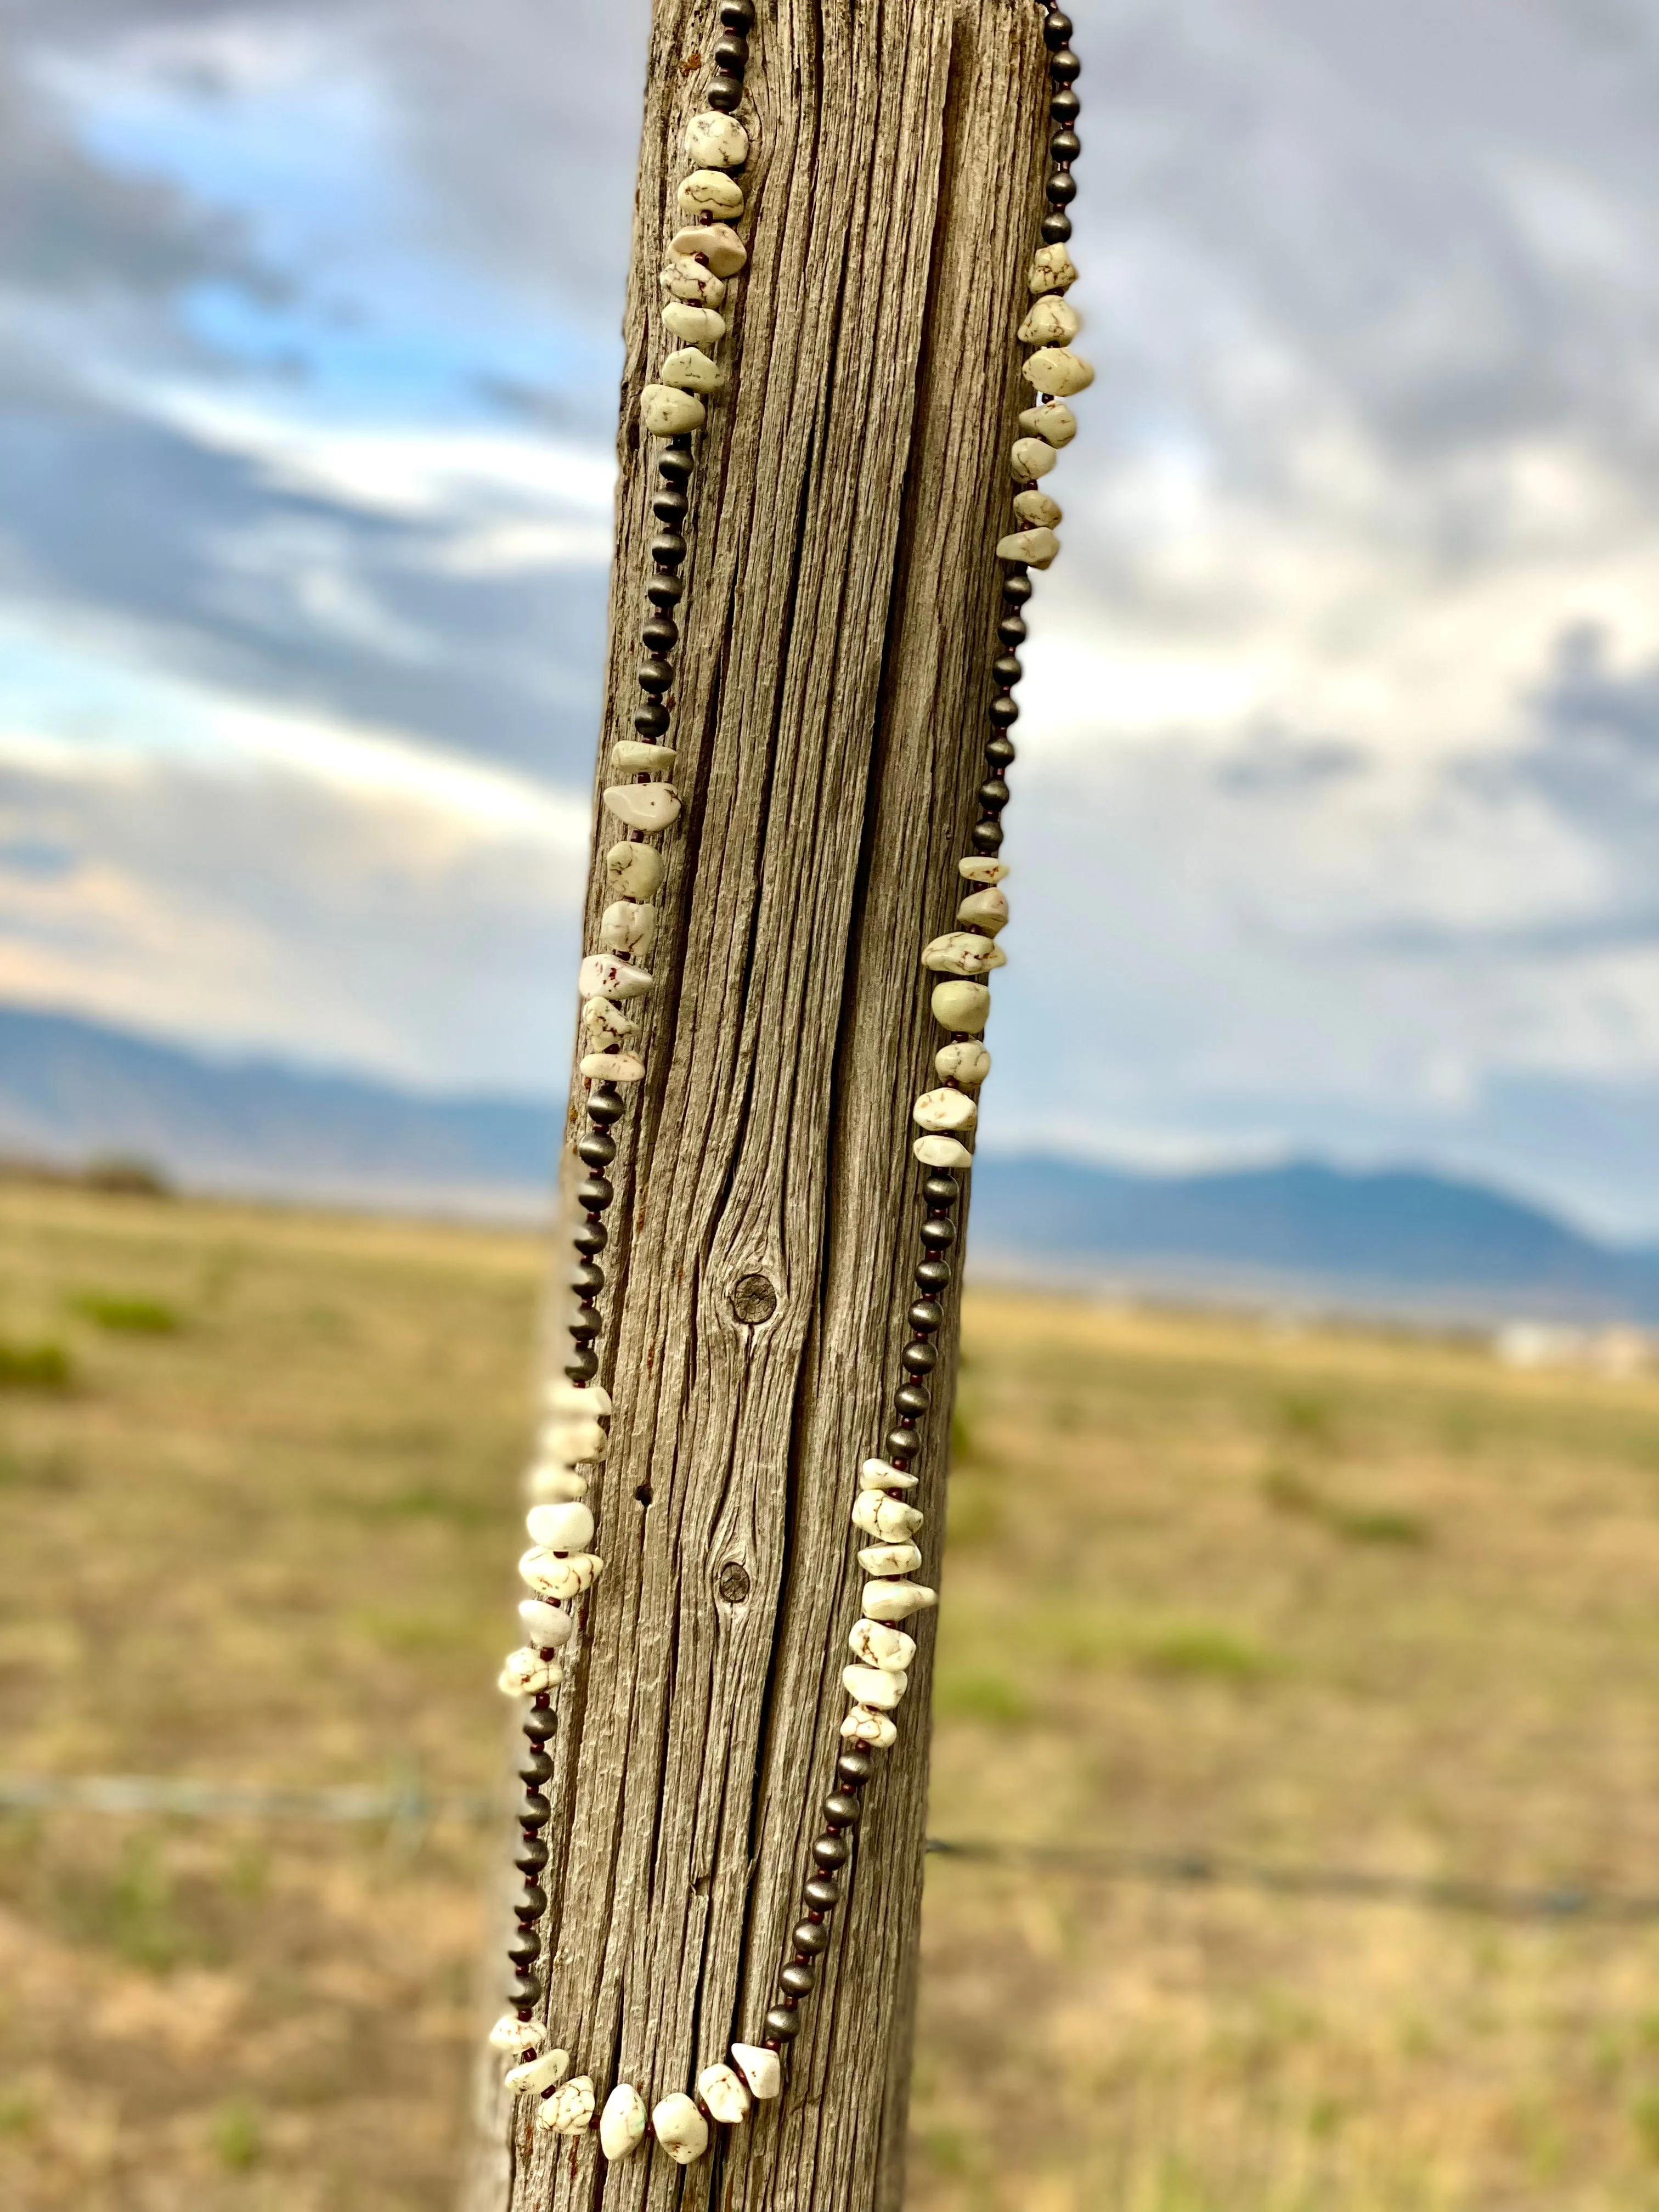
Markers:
(961, 952)
(976, 869)
(607, 1025)
(554, 1485)
(944, 1109)
(1051, 322)
(538, 2073)
(510, 2034)
(889, 1518)
(602, 975)
(561, 1527)
(864, 1725)
(875, 1686)
(680, 2128)
(1030, 457)
(548, 1628)
(621, 2124)
(568, 1440)
(1037, 547)
(612, 1067)
(688, 370)
(629, 756)
(874, 1645)
(686, 279)
(986, 909)
(1058, 372)
(1053, 421)
(938, 1151)
(635, 870)
(626, 927)
(724, 2094)
(1037, 507)
(963, 1063)
(551, 1577)
(716, 142)
(643, 805)
(665, 413)
(893, 1560)
(696, 326)
(1052, 269)
(570, 2110)
(888, 1601)
(965, 1007)
(591, 1400)
(709, 193)
(717, 244)
(526, 1675)
(760, 2068)
(878, 1474)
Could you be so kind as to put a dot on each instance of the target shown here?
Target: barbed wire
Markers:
(410, 1809)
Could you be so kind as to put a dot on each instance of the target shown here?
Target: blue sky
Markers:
(1339, 778)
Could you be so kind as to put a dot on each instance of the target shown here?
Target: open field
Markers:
(1307, 1598)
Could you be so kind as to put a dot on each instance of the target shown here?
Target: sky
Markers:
(1336, 826)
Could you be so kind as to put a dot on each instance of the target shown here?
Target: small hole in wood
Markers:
(753, 1298)
(642, 1495)
(703, 1885)
(733, 1584)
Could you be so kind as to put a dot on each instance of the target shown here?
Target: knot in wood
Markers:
(753, 1298)
(733, 1584)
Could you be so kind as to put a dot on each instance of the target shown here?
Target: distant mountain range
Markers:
(1403, 1240)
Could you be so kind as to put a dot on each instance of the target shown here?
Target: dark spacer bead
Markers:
(590, 1236)
(732, 54)
(1061, 189)
(526, 1989)
(737, 15)
(993, 793)
(823, 1892)
(1064, 67)
(668, 548)
(842, 1808)
(1056, 227)
(920, 1358)
(800, 1978)
(1056, 29)
(1001, 752)
(782, 2024)
(1011, 631)
(526, 1947)
(534, 1812)
(1016, 588)
(934, 1274)
(664, 591)
(1064, 106)
(532, 1903)
(1004, 711)
(587, 1279)
(669, 505)
(675, 464)
(659, 634)
(533, 1767)
(1005, 669)
(605, 1105)
(725, 93)
(538, 1723)
(595, 1149)
(650, 718)
(582, 1364)
(904, 1443)
(810, 1936)
(1064, 145)
(587, 1324)
(595, 1194)
(941, 1189)
(927, 1314)
(937, 1235)
(654, 675)
(532, 1854)
(912, 1400)
(831, 1850)
(987, 837)
(855, 1766)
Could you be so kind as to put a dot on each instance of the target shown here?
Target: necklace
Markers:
(705, 252)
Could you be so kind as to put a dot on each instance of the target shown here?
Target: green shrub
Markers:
(43, 1366)
(126, 1312)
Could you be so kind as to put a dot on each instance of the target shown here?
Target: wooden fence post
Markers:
(837, 633)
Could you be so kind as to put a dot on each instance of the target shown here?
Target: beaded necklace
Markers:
(705, 252)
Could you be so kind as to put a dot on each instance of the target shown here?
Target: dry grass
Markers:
(1321, 1597)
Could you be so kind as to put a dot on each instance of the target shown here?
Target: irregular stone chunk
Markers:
(626, 927)
(665, 413)
(889, 1559)
(986, 909)
(724, 2094)
(688, 370)
(568, 1440)
(561, 1527)
(602, 975)
(1030, 457)
(685, 279)
(543, 2073)
(606, 1023)
(717, 244)
(942, 1152)
(1053, 421)
(526, 1675)
(877, 1474)
(1052, 269)
(680, 2128)
(976, 869)
(612, 1067)
(709, 193)
(546, 1626)
(556, 1485)
(590, 1399)
(897, 1600)
(1051, 322)
(1037, 507)
(716, 142)
(944, 1109)
(1037, 547)
(570, 2110)
(760, 2068)
(960, 952)
(629, 756)
(963, 1063)
(621, 2124)
(965, 1007)
(889, 1518)
(635, 870)
(696, 326)
(643, 805)
(874, 1645)
(510, 2034)
(551, 1577)
(878, 1687)
(1057, 371)
(864, 1725)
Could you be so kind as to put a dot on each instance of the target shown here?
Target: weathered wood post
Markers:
(832, 679)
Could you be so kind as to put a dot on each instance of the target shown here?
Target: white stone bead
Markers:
(548, 1628)
(512, 2033)
(976, 869)
(631, 757)
(621, 2124)
(986, 909)
(716, 142)
(717, 244)
(699, 326)
(606, 1024)
(1052, 269)
(942, 1152)
(538, 2073)
(1057, 371)
(635, 870)
(897, 1600)
(1030, 457)
(567, 1440)
(560, 1527)
(643, 805)
(570, 2110)
(526, 1675)
(724, 2094)
(685, 279)
(680, 2128)
(889, 1518)
(877, 1474)
(708, 192)
(944, 1109)
(612, 1067)
(865, 1725)
(552, 1576)
(960, 952)
(626, 927)
(1037, 507)
(889, 1559)
(874, 1645)
(554, 1485)
(688, 370)
(965, 1007)
(875, 1686)
(1051, 322)
(1037, 548)
(1053, 421)
(602, 975)
(667, 413)
(760, 2068)
(969, 1062)
(590, 1399)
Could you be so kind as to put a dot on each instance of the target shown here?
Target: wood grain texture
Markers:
(837, 629)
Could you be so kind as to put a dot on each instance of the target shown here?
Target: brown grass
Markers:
(1315, 1597)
